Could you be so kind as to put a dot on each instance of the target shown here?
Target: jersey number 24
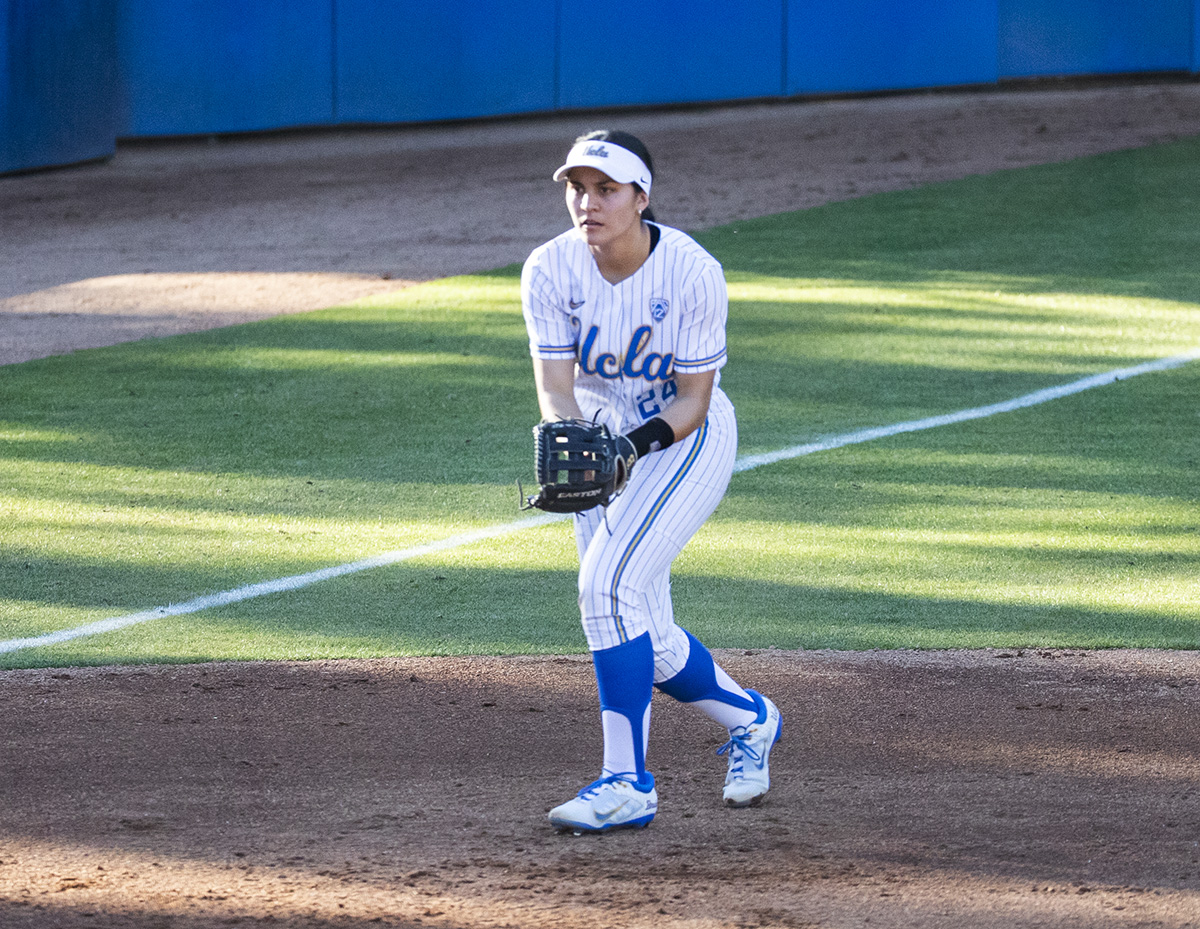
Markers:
(651, 403)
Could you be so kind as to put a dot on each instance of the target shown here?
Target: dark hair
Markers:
(626, 141)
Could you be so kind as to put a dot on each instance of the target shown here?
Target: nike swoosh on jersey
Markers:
(575, 304)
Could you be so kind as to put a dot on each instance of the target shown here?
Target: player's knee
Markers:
(596, 596)
(609, 630)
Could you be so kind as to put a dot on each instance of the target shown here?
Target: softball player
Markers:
(626, 320)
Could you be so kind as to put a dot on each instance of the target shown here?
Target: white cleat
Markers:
(749, 748)
(609, 803)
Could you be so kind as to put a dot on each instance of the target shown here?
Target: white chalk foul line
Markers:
(745, 463)
(279, 585)
(748, 462)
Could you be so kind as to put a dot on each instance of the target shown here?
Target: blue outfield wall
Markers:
(57, 80)
(75, 75)
(1196, 38)
(846, 46)
(634, 52)
(208, 66)
(1071, 37)
(411, 60)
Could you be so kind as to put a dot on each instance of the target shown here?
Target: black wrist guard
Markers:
(652, 436)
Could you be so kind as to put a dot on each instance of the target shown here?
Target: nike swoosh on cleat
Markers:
(604, 817)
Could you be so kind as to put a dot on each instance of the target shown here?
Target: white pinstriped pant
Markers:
(626, 551)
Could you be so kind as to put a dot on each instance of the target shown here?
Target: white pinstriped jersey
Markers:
(627, 339)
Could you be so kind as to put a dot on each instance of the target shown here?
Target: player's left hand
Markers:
(579, 465)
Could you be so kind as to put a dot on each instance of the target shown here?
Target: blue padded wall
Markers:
(671, 51)
(1040, 38)
(414, 60)
(77, 74)
(200, 66)
(1196, 36)
(842, 46)
(57, 81)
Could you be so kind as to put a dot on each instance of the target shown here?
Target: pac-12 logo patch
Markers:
(658, 308)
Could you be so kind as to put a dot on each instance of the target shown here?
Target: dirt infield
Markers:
(918, 790)
(947, 789)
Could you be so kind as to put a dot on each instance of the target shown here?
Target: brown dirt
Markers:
(945, 789)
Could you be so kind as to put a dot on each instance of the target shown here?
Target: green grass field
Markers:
(155, 472)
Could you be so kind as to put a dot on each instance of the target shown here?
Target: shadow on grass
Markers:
(268, 401)
(423, 609)
(1094, 492)
(1110, 224)
(795, 616)
(433, 388)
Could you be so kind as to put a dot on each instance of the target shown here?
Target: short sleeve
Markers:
(551, 334)
(700, 345)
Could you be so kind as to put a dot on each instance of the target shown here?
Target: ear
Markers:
(642, 200)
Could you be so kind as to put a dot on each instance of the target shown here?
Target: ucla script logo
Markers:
(652, 367)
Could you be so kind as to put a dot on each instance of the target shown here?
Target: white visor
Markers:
(622, 165)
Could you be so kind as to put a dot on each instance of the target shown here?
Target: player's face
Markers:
(603, 210)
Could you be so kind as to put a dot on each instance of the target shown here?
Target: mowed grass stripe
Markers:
(744, 463)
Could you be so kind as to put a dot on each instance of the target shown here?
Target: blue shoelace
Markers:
(739, 744)
(594, 787)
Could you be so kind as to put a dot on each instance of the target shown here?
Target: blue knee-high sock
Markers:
(698, 681)
(625, 677)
